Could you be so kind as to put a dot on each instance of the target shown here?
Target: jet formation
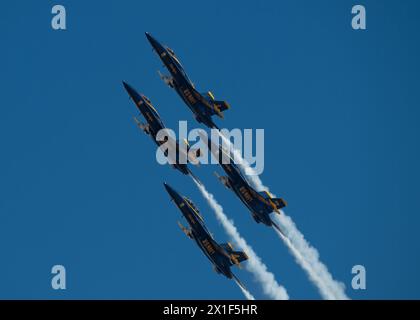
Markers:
(203, 106)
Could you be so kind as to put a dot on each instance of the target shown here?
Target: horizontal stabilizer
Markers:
(275, 203)
(279, 202)
(238, 256)
(219, 107)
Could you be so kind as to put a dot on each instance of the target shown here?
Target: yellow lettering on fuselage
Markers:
(192, 220)
(149, 116)
(245, 193)
(208, 246)
(189, 96)
(172, 67)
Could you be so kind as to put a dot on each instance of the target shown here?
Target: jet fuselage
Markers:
(254, 201)
(200, 105)
(155, 124)
(201, 235)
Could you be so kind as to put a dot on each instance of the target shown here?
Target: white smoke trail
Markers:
(254, 264)
(314, 276)
(306, 255)
(246, 293)
(244, 165)
(308, 258)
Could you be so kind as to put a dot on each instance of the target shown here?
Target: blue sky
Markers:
(79, 184)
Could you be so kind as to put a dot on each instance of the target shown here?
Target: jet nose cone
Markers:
(174, 195)
(127, 86)
(155, 44)
(169, 189)
(148, 36)
(131, 91)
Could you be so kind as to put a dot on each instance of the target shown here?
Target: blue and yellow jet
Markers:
(222, 256)
(154, 125)
(203, 105)
(261, 204)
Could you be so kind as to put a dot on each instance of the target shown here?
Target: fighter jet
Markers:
(261, 204)
(222, 256)
(203, 105)
(154, 125)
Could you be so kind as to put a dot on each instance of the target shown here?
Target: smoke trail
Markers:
(306, 255)
(308, 258)
(244, 165)
(246, 293)
(254, 264)
(318, 281)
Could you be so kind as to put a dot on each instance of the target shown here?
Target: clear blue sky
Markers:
(79, 184)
